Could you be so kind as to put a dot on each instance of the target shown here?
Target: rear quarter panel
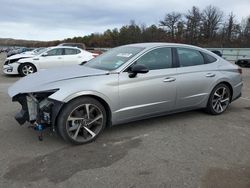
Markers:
(230, 74)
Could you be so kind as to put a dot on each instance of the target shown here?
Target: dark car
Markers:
(217, 52)
(243, 62)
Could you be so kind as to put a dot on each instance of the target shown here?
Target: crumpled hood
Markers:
(17, 56)
(37, 82)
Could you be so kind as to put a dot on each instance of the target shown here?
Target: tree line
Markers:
(209, 27)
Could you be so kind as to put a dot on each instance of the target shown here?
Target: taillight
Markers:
(95, 55)
(239, 70)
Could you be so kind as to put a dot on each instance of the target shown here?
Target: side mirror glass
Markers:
(137, 69)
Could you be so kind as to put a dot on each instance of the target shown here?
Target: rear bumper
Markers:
(237, 91)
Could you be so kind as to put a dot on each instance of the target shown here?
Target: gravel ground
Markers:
(190, 149)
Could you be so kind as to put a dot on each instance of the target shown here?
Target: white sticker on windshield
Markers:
(124, 55)
(118, 64)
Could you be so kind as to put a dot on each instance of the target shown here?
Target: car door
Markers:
(195, 77)
(71, 57)
(50, 59)
(150, 93)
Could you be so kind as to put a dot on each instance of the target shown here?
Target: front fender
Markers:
(75, 95)
(82, 93)
(66, 98)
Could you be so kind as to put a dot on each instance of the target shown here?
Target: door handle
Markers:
(210, 75)
(169, 79)
(59, 58)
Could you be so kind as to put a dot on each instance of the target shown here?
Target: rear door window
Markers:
(190, 57)
(69, 51)
(55, 52)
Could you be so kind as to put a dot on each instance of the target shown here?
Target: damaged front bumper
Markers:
(37, 108)
(11, 68)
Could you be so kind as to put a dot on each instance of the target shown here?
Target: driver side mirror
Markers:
(137, 69)
(44, 54)
(83, 62)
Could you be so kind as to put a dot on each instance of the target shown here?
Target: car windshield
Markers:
(114, 58)
(39, 51)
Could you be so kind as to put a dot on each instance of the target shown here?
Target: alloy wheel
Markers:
(221, 99)
(84, 123)
(27, 69)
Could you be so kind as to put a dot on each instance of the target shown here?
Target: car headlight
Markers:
(7, 62)
(43, 94)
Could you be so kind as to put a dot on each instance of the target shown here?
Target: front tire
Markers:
(26, 69)
(82, 120)
(219, 99)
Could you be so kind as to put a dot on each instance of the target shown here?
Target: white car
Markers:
(16, 57)
(52, 57)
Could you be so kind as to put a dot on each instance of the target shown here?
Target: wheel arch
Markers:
(229, 86)
(98, 98)
(105, 105)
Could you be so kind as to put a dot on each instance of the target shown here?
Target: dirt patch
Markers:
(62, 164)
(238, 177)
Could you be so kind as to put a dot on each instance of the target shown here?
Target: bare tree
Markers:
(170, 21)
(247, 27)
(212, 17)
(193, 25)
(232, 27)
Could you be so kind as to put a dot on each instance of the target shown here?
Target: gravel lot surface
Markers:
(191, 149)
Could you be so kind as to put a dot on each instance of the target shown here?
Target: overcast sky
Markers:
(59, 19)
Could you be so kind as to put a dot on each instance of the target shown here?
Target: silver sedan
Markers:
(125, 84)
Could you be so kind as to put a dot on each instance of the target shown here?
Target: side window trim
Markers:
(78, 51)
(204, 58)
(175, 58)
(205, 55)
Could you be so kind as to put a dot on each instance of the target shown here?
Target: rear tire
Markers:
(26, 68)
(219, 100)
(82, 120)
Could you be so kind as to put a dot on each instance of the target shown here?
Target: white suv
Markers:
(53, 57)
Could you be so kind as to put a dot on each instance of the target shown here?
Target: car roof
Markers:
(156, 44)
(151, 45)
(159, 44)
(54, 47)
